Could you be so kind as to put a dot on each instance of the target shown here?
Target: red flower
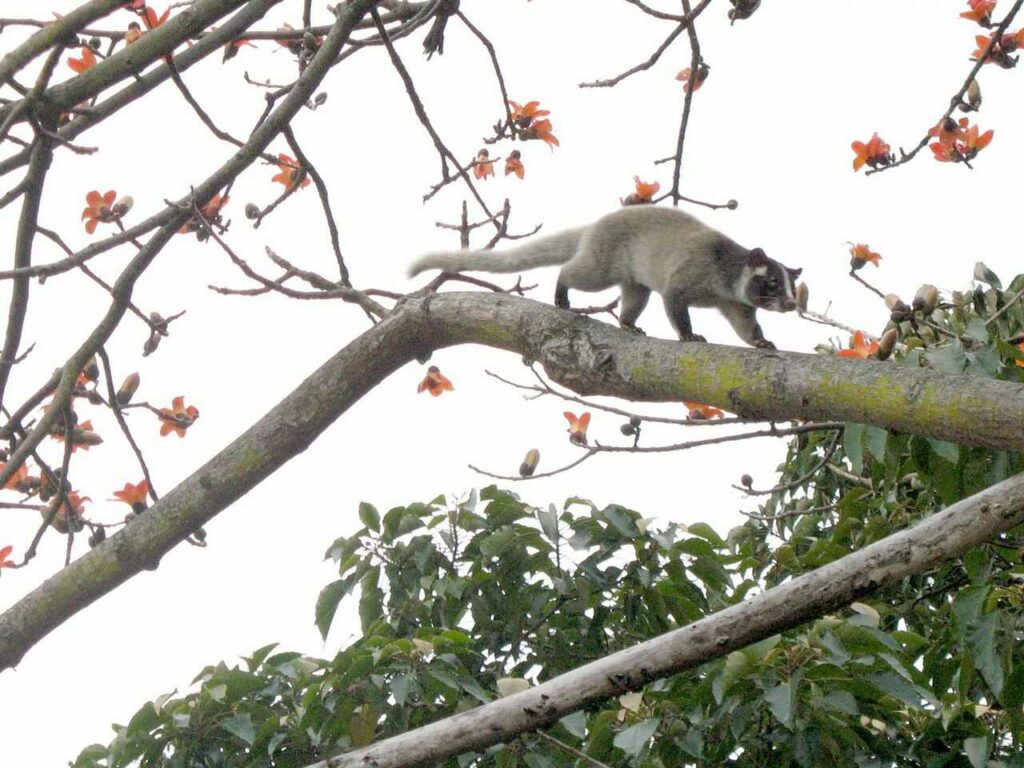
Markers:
(700, 411)
(514, 164)
(19, 476)
(1001, 50)
(435, 382)
(63, 516)
(291, 175)
(862, 348)
(524, 114)
(5, 555)
(981, 11)
(541, 129)
(645, 191)
(1016, 362)
(151, 20)
(483, 166)
(959, 145)
(211, 212)
(578, 427)
(134, 495)
(860, 254)
(88, 60)
(177, 418)
(702, 74)
(875, 153)
(98, 208)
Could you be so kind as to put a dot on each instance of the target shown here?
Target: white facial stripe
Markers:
(762, 270)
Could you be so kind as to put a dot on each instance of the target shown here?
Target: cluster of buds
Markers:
(1000, 50)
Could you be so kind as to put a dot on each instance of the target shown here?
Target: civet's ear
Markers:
(795, 273)
(757, 258)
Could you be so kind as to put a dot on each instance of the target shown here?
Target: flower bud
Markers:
(123, 205)
(127, 389)
(627, 429)
(887, 343)
(926, 299)
(974, 94)
(746, 480)
(85, 437)
(529, 463)
(899, 310)
(252, 212)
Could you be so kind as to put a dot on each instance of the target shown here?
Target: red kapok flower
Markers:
(134, 494)
(177, 418)
(152, 20)
(514, 164)
(17, 481)
(541, 129)
(698, 80)
(874, 153)
(1000, 50)
(862, 348)
(211, 212)
(88, 60)
(525, 114)
(435, 382)
(291, 175)
(578, 427)
(5, 557)
(98, 208)
(960, 145)
(1016, 362)
(701, 411)
(644, 193)
(981, 11)
(860, 254)
(483, 166)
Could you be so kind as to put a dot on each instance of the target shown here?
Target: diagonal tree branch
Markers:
(583, 354)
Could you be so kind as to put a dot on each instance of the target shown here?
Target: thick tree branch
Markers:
(53, 33)
(583, 354)
(942, 536)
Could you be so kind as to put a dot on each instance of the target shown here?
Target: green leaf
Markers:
(976, 748)
(985, 275)
(548, 519)
(371, 598)
(946, 450)
(874, 440)
(240, 726)
(633, 740)
(369, 516)
(780, 701)
(1013, 689)
(327, 604)
(576, 724)
(706, 532)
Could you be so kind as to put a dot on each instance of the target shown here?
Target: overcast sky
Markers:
(788, 91)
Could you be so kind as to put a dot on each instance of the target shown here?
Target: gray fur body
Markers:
(643, 249)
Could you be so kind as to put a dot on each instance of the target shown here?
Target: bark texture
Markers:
(588, 356)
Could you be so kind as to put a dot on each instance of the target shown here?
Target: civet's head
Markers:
(769, 284)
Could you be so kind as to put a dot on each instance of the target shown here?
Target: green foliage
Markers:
(455, 597)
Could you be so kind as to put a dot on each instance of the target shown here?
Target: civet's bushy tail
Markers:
(542, 252)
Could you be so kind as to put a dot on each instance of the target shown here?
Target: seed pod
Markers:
(887, 343)
(127, 390)
(529, 463)
(802, 294)
(926, 299)
(85, 437)
(974, 95)
(746, 481)
(122, 206)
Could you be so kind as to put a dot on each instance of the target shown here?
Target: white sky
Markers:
(789, 90)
